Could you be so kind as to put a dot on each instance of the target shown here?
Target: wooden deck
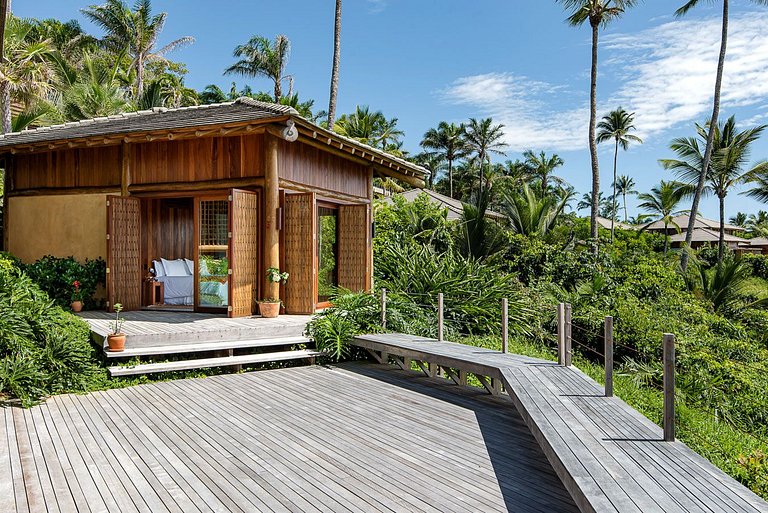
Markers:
(151, 329)
(608, 456)
(357, 437)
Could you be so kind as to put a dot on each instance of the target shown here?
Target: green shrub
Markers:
(56, 277)
(43, 349)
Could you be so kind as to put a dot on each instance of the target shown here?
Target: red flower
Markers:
(76, 284)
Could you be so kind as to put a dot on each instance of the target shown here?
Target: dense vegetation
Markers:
(715, 310)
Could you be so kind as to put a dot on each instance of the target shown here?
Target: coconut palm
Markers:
(616, 127)
(260, 57)
(97, 92)
(135, 32)
(730, 153)
(484, 138)
(434, 162)
(598, 13)
(757, 224)
(624, 185)
(690, 4)
(531, 213)
(542, 167)
(25, 72)
(335, 67)
(585, 202)
(662, 202)
(447, 140)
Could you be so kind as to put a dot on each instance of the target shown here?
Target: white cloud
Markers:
(376, 6)
(669, 71)
(523, 106)
(665, 74)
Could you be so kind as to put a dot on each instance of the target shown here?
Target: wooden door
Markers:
(244, 252)
(354, 242)
(124, 272)
(300, 253)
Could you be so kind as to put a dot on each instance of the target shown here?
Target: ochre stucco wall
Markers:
(61, 225)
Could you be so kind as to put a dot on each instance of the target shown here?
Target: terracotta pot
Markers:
(116, 342)
(77, 306)
(269, 310)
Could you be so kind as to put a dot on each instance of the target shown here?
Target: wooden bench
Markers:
(609, 457)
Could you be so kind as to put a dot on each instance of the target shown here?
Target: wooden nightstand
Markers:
(156, 293)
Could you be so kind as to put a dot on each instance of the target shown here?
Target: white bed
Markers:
(178, 280)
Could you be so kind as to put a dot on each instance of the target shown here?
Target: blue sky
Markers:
(424, 61)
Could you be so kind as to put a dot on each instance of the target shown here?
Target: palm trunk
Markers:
(721, 240)
(335, 68)
(666, 238)
(139, 76)
(5, 102)
(482, 161)
(450, 177)
(613, 198)
(710, 138)
(593, 141)
(278, 90)
(624, 197)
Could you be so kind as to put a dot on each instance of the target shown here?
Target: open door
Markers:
(244, 252)
(124, 273)
(355, 247)
(300, 253)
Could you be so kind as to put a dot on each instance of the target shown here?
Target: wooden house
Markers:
(231, 189)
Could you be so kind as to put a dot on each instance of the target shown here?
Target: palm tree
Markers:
(533, 214)
(25, 71)
(598, 13)
(542, 167)
(757, 224)
(624, 185)
(478, 236)
(690, 4)
(484, 138)
(730, 152)
(433, 161)
(335, 67)
(447, 140)
(740, 219)
(96, 92)
(662, 203)
(260, 57)
(134, 32)
(585, 202)
(616, 126)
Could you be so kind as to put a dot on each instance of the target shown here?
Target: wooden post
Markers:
(669, 387)
(504, 325)
(440, 316)
(125, 169)
(561, 334)
(568, 352)
(609, 356)
(384, 309)
(271, 204)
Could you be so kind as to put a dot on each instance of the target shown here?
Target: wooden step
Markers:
(202, 363)
(206, 346)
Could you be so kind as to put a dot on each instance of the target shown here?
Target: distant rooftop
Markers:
(454, 206)
(682, 222)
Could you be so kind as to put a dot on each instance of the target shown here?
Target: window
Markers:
(327, 253)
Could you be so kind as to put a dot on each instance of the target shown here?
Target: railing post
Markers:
(440, 316)
(504, 325)
(561, 334)
(568, 343)
(384, 309)
(608, 356)
(669, 387)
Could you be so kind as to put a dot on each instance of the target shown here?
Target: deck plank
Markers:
(608, 456)
(355, 437)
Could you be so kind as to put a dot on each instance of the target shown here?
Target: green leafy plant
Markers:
(118, 322)
(275, 276)
(57, 277)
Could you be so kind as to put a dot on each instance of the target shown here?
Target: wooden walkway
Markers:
(357, 437)
(608, 456)
(147, 329)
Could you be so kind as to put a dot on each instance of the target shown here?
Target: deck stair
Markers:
(219, 361)
(131, 352)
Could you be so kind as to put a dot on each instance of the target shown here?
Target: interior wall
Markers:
(62, 225)
(168, 229)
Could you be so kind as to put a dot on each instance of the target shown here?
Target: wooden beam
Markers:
(63, 192)
(125, 169)
(271, 204)
(322, 193)
(256, 181)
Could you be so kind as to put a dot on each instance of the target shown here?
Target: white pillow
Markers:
(175, 267)
(190, 266)
(159, 269)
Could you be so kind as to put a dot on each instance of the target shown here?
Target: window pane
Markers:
(213, 254)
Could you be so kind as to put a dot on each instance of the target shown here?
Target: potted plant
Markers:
(77, 297)
(116, 338)
(270, 307)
